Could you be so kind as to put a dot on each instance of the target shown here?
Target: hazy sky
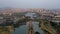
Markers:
(52, 4)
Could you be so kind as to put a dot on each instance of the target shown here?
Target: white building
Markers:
(56, 19)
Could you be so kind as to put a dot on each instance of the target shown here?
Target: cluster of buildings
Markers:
(45, 14)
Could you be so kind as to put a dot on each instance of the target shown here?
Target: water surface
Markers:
(24, 28)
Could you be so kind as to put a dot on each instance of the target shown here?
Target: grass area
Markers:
(4, 30)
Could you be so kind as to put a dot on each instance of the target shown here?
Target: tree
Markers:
(37, 33)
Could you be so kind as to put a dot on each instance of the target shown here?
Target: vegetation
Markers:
(4, 30)
(56, 27)
(37, 33)
(50, 27)
(45, 25)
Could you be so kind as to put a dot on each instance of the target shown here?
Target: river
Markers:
(24, 28)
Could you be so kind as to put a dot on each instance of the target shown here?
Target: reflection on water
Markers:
(20, 30)
(21, 27)
(36, 28)
(24, 28)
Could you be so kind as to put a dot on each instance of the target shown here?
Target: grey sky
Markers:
(52, 4)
